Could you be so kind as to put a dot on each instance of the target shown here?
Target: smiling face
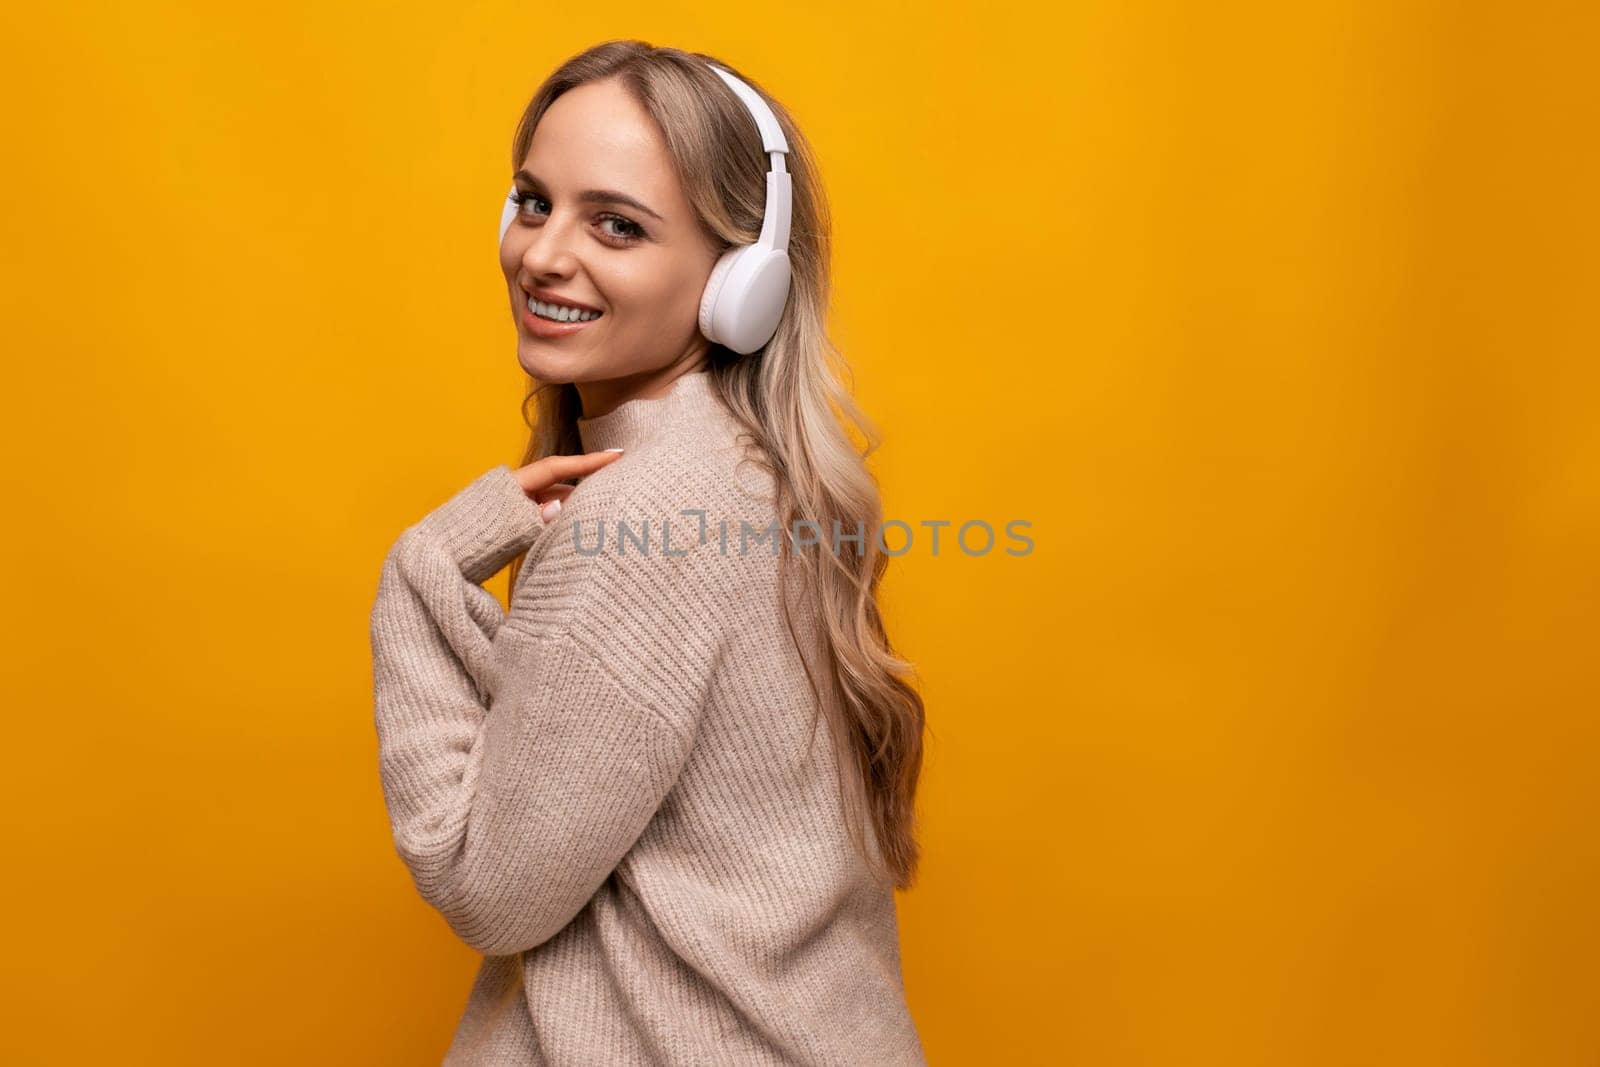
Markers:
(642, 265)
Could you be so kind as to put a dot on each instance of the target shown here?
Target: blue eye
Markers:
(520, 198)
(630, 232)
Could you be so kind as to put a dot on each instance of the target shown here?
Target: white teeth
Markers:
(559, 312)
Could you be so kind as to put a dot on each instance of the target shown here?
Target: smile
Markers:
(551, 321)
(560, 312)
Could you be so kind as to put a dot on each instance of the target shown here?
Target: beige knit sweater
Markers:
(609, 791)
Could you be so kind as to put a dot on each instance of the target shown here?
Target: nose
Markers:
(550, 252)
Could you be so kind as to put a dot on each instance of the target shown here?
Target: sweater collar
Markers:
(690, 398)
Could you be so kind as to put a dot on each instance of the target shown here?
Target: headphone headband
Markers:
(772, 138)
(775, 217)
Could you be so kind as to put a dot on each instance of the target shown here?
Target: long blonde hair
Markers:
(786, 394)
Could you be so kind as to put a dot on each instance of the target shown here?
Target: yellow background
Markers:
(1277, 321)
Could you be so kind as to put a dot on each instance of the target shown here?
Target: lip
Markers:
(545, 328)
(548, 297)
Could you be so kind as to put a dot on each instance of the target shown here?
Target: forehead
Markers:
(596, 136)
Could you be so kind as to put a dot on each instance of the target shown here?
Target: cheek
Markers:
(660, 289)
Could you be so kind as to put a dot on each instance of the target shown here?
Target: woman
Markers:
(613, 790)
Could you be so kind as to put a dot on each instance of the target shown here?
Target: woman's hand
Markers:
(541, 479)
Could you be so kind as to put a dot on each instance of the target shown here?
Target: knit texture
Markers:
(616, 790)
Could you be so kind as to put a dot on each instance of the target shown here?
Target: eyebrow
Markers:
(596, 196)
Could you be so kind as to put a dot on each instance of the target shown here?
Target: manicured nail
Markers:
(611, 450)
(550, 511)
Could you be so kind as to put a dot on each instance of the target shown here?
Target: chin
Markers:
(544, 363)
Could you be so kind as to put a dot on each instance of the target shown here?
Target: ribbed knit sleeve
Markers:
(522, 755)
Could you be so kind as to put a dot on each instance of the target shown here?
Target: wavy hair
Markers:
(786, 394)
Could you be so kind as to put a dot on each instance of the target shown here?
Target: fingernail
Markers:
(550, 511)
(611, 450)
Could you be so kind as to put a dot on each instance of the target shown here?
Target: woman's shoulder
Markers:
(641, 569)
(670, 534)
(712, 468)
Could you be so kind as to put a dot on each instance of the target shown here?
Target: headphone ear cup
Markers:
(508, 214)
(713, 289)
(745, 296)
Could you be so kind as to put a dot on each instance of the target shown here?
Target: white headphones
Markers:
(749, 286)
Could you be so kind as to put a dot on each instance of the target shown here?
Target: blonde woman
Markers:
(618, 790)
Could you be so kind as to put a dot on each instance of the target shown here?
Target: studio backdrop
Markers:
(1233, 370)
